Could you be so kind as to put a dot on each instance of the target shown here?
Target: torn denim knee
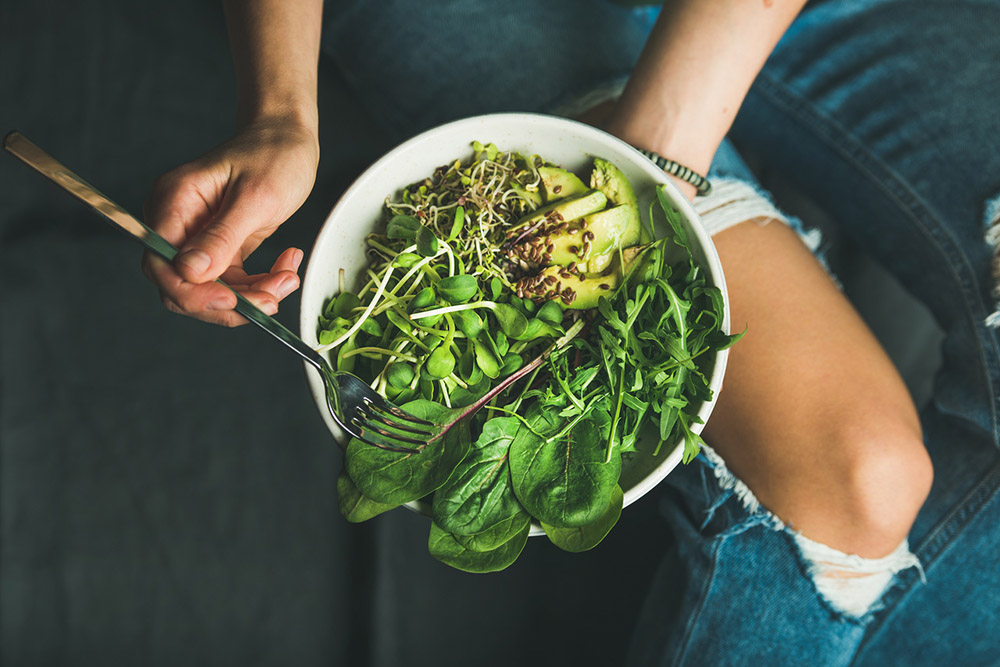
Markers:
(733, 201)
(849, 584)
(991, 222)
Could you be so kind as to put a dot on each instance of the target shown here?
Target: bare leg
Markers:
(813, 417)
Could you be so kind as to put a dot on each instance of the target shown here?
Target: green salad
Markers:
(487, 265)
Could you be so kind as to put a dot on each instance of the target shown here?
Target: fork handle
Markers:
(36, 158)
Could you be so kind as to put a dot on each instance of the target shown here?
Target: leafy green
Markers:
(399, 477)
(356, 506)
(478, 495)
(560, 474)
(443, 546)
(586, 537)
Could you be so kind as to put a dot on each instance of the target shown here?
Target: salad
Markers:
(506, 267)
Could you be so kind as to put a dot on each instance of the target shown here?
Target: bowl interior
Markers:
(340, 244)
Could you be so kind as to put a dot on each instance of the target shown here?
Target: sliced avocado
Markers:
(572, 288)
(558, 183)
(533, 197)
(590, 242)
(565, 210)
(610, 180)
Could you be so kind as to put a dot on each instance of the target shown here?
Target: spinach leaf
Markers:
(354, 505)
(478, 494)
(399, 477)
(497, 535)
(450, 551)
(583, 538)
(562, 479)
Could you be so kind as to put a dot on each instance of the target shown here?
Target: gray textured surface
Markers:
(167, 489)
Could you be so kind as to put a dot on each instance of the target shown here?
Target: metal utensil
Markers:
(354, 406)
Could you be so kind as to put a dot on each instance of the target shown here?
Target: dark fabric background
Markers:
(167, 488)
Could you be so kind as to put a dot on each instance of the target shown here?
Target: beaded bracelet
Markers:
(680, 171)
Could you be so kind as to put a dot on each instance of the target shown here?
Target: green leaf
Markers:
(496, 288)
(584, 538)
(478, 494)
(403, 227)
(511, 320)
(456, 226)
(562, 481)
(468, 322)
(427, 243)
(405, 260)
(399, 477)
(495, 536)
(399, 374)
(443, 546)
(485, 360)
(441, 362)
(354, 505)
(458, 289)
(551, 312)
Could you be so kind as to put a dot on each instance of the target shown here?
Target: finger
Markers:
(190, 298)
(247, 209)
(282, 279)
(181, 201)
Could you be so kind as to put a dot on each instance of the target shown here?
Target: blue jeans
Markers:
(884, 113)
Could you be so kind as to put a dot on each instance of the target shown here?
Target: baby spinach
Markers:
(478, 494)
(586, 537)
(356, 506)
(497, 534)
(399, 477)
(559, 473)
(443, 546)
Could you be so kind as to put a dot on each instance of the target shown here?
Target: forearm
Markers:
(275, 46)
(694, 72)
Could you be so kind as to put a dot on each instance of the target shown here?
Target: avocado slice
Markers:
(573, 289)
(589, 243)
(564, 210)
(610, 180)
(558, 183)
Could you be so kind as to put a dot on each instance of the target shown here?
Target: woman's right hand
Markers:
(219, 208)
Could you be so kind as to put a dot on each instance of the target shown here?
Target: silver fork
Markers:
(354, 406)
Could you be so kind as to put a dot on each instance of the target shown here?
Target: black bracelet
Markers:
(680, 171)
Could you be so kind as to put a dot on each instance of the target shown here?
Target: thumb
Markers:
(213, 250)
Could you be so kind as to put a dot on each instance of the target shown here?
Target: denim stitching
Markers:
(824, 128)
(693, 620)
(936, 543)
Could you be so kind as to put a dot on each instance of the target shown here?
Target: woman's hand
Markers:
(219, 208)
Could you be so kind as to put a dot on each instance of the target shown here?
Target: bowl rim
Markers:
(307, 315)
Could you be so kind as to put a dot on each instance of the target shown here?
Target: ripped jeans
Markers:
(884, 113)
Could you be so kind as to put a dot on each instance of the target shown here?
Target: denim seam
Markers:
(848, 147)
(937, 542)
(693, 619)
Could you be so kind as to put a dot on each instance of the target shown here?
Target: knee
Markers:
(884, 475)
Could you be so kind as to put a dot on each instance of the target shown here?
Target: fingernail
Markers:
(297, 260)
(286, 287)
(220, 304)
(196, 261)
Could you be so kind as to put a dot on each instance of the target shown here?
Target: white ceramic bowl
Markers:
(567, 143)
